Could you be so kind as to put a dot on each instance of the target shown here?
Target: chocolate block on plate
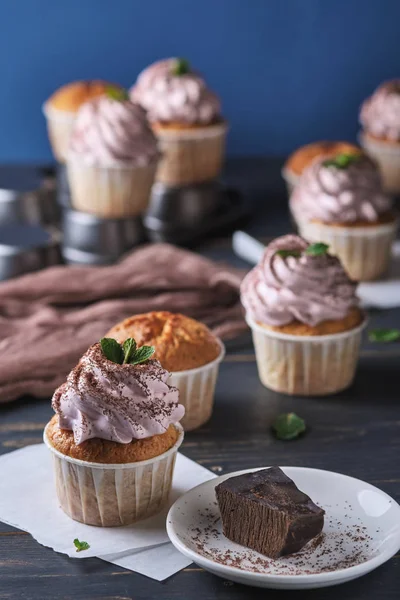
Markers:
(266, 511)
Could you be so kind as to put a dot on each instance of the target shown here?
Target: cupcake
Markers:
(340, 201)
(299, 160)
(115, 435)
(186, 118)
(305, 318)
(112, 157)
(188, 350)
(380, 120)
(61, 108)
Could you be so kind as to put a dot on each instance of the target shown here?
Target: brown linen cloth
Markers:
(48, 319)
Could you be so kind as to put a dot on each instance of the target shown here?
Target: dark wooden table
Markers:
(355, 432)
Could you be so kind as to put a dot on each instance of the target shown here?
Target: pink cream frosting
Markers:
(110, 132)
(167, 97)
(309, 289)
(380, 113)
(103, 399)
(333, 195)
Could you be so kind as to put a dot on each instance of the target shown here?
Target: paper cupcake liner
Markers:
(196, 391)
(364, 251)
(306, 365)
(113, 495)
(59, 127)
(388, 158)
(110, 192)
(190, 155)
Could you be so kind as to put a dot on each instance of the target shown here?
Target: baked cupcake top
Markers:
(171, 92)
(343, 189)
(304, 156)
(380, 113)
(295, 281)
(180, 343)
(112, 130)
(118, 394)
(70, 97)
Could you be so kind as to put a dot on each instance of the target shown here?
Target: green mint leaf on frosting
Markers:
(286, 253)
(142, 354)
(342, 161)
(112, 350)
(384, 335)
(80, 545)
(129, 348)
(317, 249)
(288, 426)
(181, 67)
(116, 93)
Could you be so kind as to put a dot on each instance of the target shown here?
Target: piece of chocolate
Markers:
(266, 512)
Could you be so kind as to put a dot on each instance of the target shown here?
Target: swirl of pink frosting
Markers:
(108, 132)
(333, 195)
(169, 98)
(103, 399)
(380, 113)
(306, 288)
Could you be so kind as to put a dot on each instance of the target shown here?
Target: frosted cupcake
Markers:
(115, 435)
(112, 158)
(299, 160)
(188, 350)
(61, 108)
(305, 318)
(340, 201)
(186, 117)
(380, 119)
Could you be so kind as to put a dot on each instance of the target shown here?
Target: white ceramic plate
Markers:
(361, 532)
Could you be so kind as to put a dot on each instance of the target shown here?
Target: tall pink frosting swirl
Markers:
(102, 399)
(108, 131)
(175, 98)
(333, 195)
(309, 289)
(380, 113)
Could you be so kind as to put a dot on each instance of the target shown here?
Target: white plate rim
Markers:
(320, 578)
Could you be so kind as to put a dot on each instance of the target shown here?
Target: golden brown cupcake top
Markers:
(70, 97)
(353, 319)
(303, 157)
(181, 343)
(107, 452)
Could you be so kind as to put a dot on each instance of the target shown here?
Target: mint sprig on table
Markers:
(343, 160)
(317, 249)
(80, 546)
(288, 426)
(117, 93)
(181, 67)
(127, 353)
(384, 335)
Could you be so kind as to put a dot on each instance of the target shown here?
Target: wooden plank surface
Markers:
(355, 432)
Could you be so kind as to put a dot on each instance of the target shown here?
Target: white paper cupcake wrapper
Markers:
(196, 391)
(388, 158)
(113, 495)
(306, 365)
(364, 251)
(190, 155)
(110, 192)
(59, 127)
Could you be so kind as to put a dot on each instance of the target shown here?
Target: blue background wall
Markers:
(288, 71)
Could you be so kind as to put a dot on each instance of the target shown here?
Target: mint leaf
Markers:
(142, 354)
(343, 160)
(80, 545)
(129, 348)
(288, 426)
(317, 249)
(112, 350)
(181, 67)
(286, 253)
(384, 335)
(117, 93)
